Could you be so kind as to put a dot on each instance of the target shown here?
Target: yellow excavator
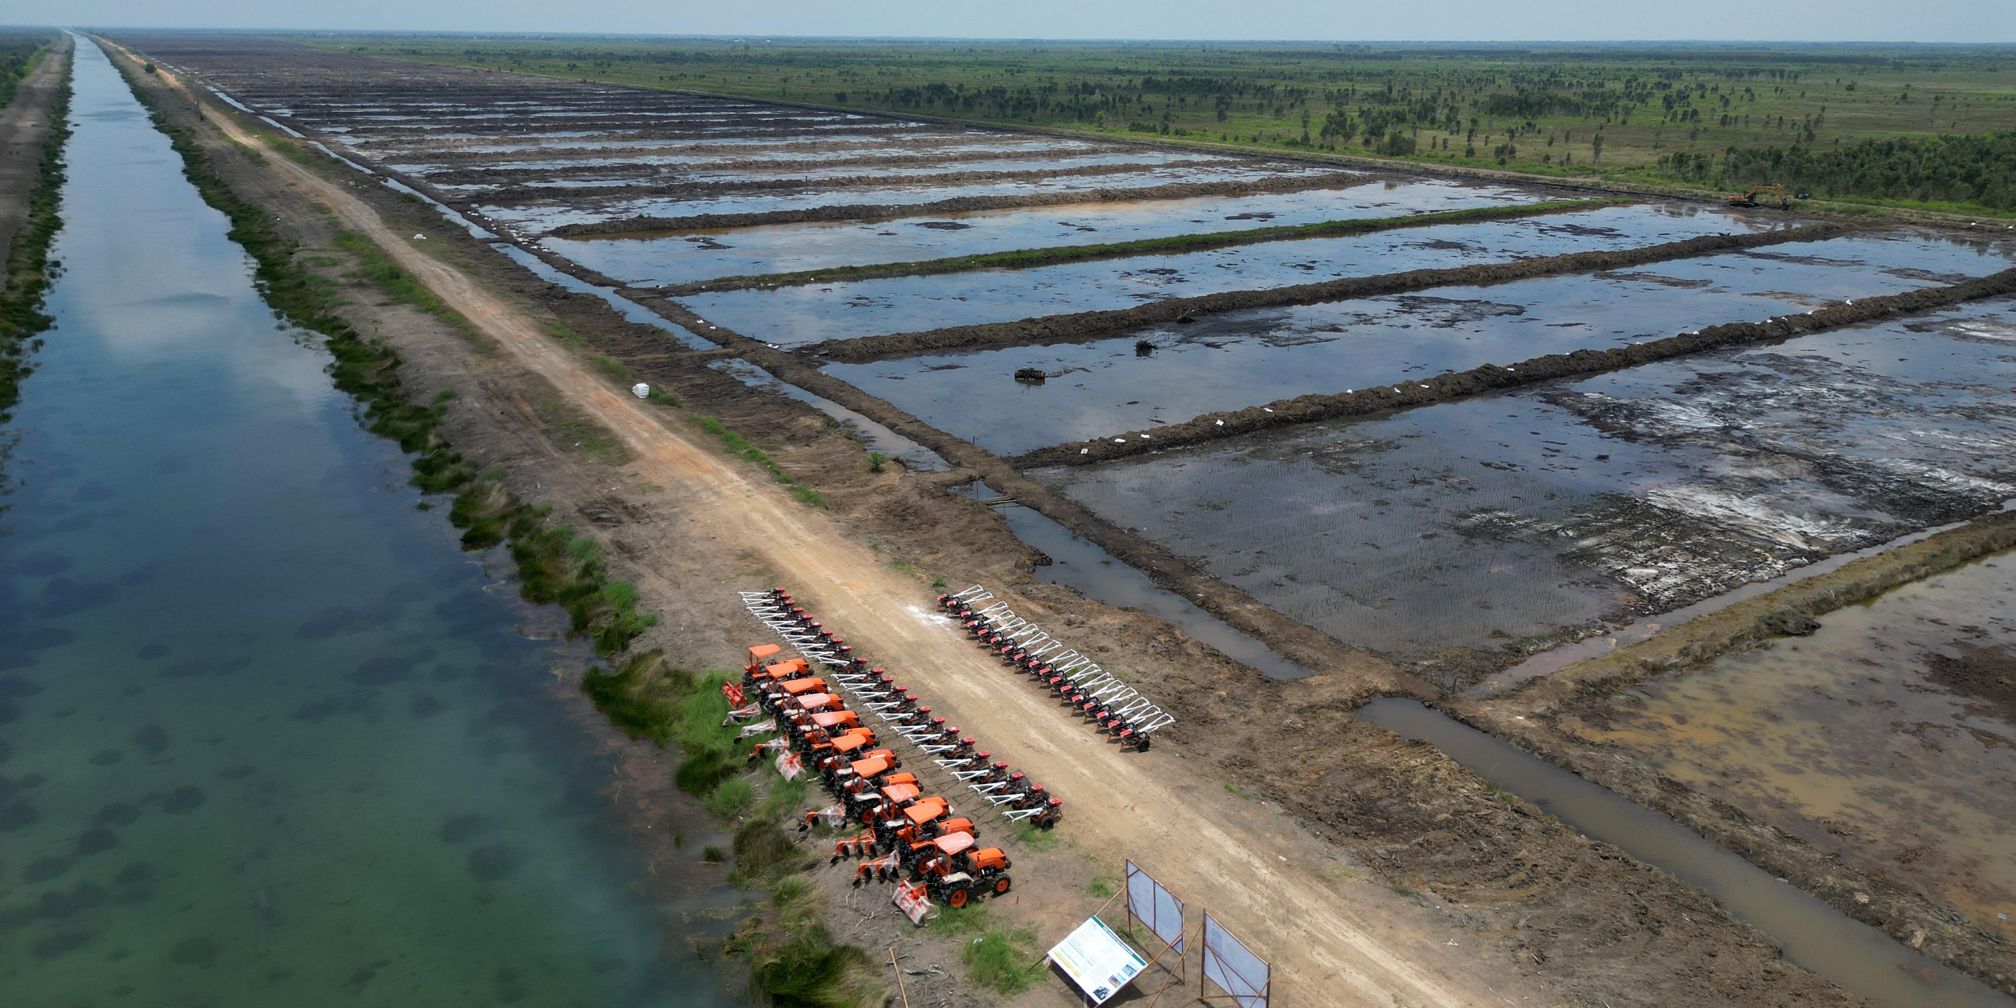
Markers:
(1748, 197)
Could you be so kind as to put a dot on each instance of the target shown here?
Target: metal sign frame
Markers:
(1235, 978)
(1151, 896)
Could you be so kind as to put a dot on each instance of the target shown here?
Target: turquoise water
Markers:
(267, 737)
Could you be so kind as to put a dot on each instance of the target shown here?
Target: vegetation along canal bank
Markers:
(677, 520)
(34, 123)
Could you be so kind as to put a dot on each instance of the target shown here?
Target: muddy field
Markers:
(1500, 523)
(1247, 358)
(1887, 737)
(814, 313)
(1453, 538)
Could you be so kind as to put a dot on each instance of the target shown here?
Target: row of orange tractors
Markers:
(903, 834)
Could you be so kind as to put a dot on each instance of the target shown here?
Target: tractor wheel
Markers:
(956, 899)
(1001, 885)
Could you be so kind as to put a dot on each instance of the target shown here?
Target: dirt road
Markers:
(23, 125)
(1334, 939)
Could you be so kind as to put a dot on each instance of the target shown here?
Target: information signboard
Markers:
(1097, 960)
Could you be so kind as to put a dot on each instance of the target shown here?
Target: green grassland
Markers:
(1865, 120)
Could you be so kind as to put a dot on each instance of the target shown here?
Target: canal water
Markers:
(267, 737)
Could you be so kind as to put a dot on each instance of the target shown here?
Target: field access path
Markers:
(23, 125)
(1333, 939)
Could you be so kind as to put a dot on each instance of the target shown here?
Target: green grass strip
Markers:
(1171, 244)
(740, 447)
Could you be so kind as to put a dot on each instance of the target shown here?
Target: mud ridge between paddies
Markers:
(638, 227)
(506, 173)
(1077, 327)
(1196, 241)
(522, 194)
(1496, 377)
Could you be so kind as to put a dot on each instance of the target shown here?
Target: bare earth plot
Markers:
(1453, 532)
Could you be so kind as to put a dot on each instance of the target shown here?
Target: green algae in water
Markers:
(197, 840)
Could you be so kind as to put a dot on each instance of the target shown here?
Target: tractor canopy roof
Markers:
(953, 843)
(927, 809)
(758, 652)
(786, 669)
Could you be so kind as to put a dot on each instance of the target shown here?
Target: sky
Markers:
(1452, 20)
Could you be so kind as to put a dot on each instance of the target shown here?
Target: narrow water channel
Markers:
(1855, 956)
(267, 737)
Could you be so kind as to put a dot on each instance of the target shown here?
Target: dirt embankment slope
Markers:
(24, 125)
(1079, 326)
(1497, 377)
(1496, 904)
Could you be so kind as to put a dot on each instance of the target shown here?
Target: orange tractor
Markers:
(904, 832)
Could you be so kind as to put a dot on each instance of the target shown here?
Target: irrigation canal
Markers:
(267, 736)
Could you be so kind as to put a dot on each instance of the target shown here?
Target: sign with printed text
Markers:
(1097, 960)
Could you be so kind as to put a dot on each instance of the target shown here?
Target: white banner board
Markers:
(1155, 906)
(1234, 968)
(1097, 960)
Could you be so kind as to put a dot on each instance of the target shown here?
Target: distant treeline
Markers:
(1979, 170)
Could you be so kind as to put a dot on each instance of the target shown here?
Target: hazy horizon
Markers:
(1983, 22)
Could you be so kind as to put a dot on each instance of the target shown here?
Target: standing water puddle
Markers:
(267, 736)
(1860, 959)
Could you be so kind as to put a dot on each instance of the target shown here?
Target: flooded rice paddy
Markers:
(1246, 358)
(562, 207)
(793, 316)
(1505, 519)
(1887, 738)
(267, 736)
(783, 248)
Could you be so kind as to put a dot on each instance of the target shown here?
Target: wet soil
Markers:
(1867, 757)
(645, 226)
(1081, 326)
(672, 189)
(925, 298)
(1533, 905)
(1489, 378)
(748, 251)
(1985, 675)
(674, 166)
(1501, 524)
